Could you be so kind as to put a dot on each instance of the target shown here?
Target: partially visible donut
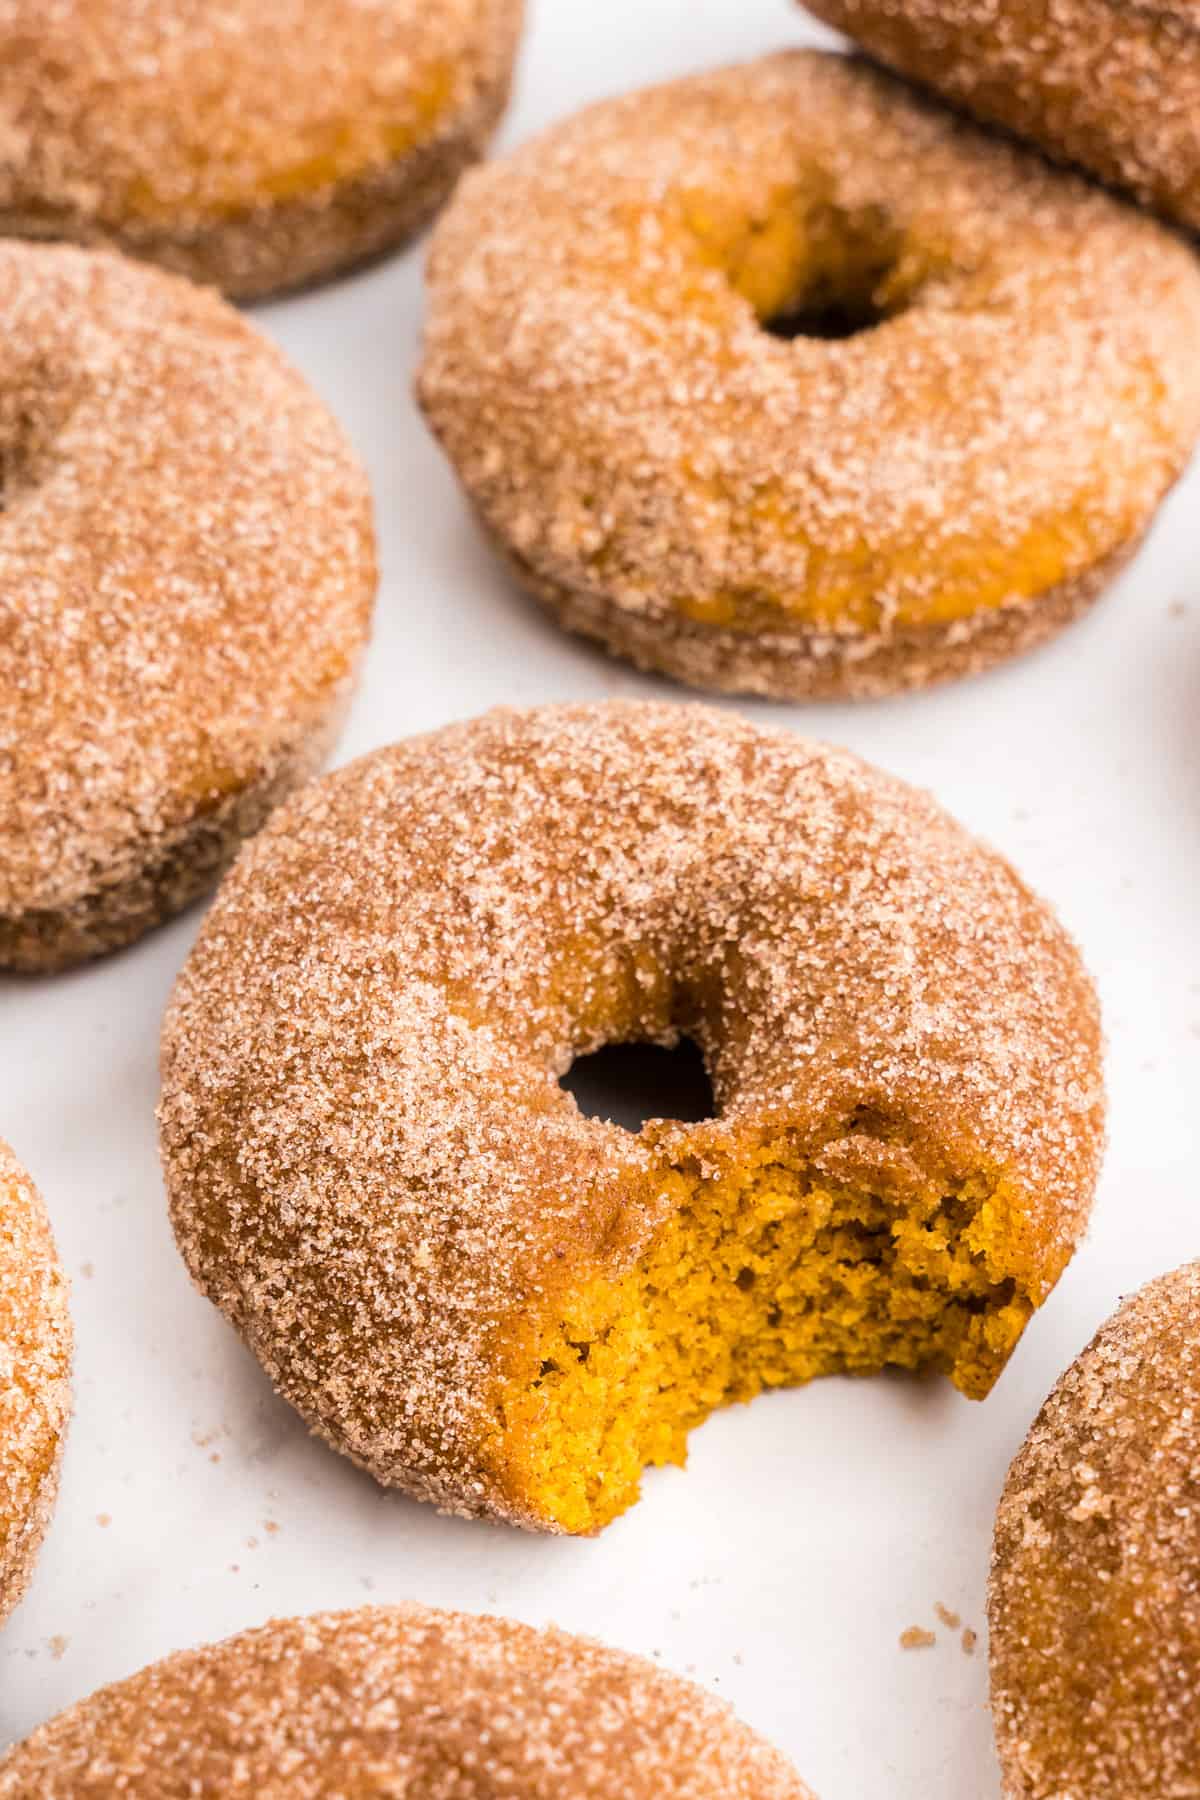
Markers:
(35, 1365)
(254, 146)
(404, 1702)
(1110, 85)
(945, 487)
(1095, 1590)
(187, 570)
(502, 1306)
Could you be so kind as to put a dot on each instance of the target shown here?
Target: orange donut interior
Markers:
(769, 1273)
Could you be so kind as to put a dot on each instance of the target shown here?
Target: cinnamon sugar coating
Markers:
(35, 1362)
(186, 576)
(1095, 1590)
(802, 517)
(373, 1170)
(1113, 88)
(407, 1702)
(254, 147)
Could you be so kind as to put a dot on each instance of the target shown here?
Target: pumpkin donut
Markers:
(255, 147)
(502, 1306)
(1095, 1590)
(186, 576)
(628, 362)
(407, 1702)
(35, 1364)
(1110, 85)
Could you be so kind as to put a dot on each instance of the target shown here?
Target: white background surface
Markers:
(811, 1527)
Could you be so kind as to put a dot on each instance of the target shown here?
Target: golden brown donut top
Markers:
(1095, 1597)
(168, 110)
(35, 1357)
(403, 1702)
(596, 366)
(186, 563)
(369, 1157)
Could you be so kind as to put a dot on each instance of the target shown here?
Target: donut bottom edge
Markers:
(279, 248)
(820, 665)
(177, 869)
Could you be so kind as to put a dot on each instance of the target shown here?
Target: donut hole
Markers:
(848, 272)
(630, 1084)
(767, 1275)
(830, 317)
